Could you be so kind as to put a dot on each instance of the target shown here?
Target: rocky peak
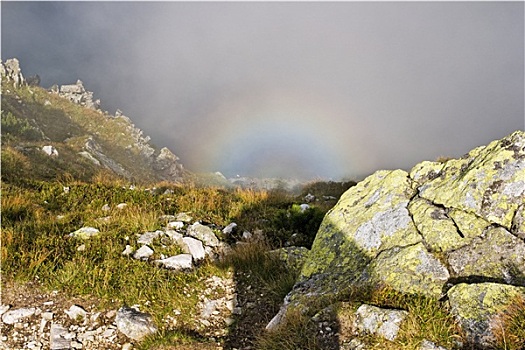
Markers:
(11, 70)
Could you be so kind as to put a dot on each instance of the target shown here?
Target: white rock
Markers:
(50, 151)
(194, 247)
(246, 235)
(230, 228)
(177, 262)
(148, 237)
(47, 316)
(382, 322)
(175, 236)
(134, 324)
(177, 225)
(34, 345)
(106, 207)
(4, 308)
(121, 206)
(81, 248)
(143, 253)
(184, 217)
(204, 234)
(13, 316)
(128, 251)
(127, 346)
(43, 323)
(85, 232)
(76, 313)
(59, 338)
(304, 207)
(76, 345)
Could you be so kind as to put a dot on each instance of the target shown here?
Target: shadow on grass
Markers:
(308, 318)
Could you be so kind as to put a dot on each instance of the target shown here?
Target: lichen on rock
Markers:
(427, 233)
(410, 270)
(475, 306)
(489, 181)
(497, 254)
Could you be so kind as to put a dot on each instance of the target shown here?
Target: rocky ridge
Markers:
(452, 231)
(163, 164)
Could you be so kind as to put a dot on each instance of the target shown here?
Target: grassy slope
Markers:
(37, 215)
(66, 126)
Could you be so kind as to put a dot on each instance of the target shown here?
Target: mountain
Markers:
(63, 132)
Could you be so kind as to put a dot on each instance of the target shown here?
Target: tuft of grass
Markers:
(509, 326)
(267, 269)
(298, 331)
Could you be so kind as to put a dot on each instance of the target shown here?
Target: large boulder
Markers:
(428, 231)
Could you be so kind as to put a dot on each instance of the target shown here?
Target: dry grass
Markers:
(509, 326)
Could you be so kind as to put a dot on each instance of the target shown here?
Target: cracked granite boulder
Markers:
(424, 231)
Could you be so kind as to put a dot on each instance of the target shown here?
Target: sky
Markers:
(331, 90)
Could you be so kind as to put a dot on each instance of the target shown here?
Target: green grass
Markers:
(37, 217)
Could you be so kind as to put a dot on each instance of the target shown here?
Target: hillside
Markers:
(62, 132)
(108, 243)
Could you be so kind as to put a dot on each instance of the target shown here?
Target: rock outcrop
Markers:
(451, 231)
(11, 70)
(76, 93)
(126, 151)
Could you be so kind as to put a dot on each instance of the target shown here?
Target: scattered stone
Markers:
(175, 225)
(304, 207)
(246, 235)
(127, 346)
(128, 251)
(143, 253)
(377, 321)
(76, 313)
(184, 217)
(121, 206)
(4, 308)
(134, 324)
(428, 345)
(14, 316)
(148, 237)
(50, 151)
(106, 207)
(177, 262)
(85, 233)
(81, 248)
(59, 338)
(309, 198)
(231, 228)
(204, 234)
(175, 236)
(194, 247)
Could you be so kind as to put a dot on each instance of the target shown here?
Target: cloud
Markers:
(290, 89)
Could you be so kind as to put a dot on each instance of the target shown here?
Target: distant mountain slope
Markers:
(62, 132)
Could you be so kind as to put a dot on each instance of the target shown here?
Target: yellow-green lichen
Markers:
(411, 270)
(481, 301)
(425, 171)
(489, 182)
(438, 230)
(369, 217)
(497, 254)
(469, 224)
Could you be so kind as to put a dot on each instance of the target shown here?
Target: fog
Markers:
(296, 89)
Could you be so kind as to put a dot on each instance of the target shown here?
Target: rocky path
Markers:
(34, 319)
